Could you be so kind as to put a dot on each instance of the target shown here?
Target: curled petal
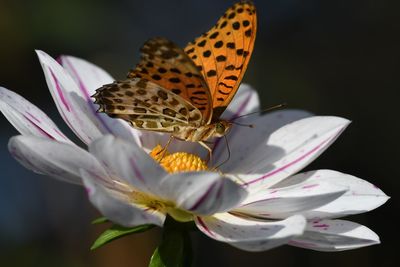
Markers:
(202, 193)
(116, 207)
(360, 197)
(127, 161)
(278, 203)
(295, 145)
(90, 77)
(335, 235)
(27, 118)
(56, 159)
(251, 235)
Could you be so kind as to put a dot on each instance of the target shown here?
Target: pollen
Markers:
(179, 161)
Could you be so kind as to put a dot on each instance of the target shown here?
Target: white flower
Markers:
(263, 203)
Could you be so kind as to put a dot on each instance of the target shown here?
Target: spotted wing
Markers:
(167, 65)
(223, 53)
(146, 105)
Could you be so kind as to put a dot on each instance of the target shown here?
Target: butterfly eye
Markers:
(220, 128)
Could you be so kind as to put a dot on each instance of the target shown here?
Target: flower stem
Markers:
(175, 249)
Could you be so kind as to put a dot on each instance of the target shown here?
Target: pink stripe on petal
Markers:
(321, 225)
(204, 226)
(203, 197)
(59, 90)
(310, 186)
(85, 92)
(136, 171)
(43, 132)
(33, 117)
(294, 161)
(59, 133)
(287, 165)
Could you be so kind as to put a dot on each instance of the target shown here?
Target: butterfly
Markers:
(185, 91)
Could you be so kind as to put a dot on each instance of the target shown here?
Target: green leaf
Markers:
(175, 248)
(100, 220)
(117, 231)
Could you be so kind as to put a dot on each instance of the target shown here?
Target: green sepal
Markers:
(117, 231)
(100, 220)
(175, 249)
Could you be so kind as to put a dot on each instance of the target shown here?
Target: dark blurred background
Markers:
(329, 57)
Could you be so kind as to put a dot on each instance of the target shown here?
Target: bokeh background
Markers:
(329, 57)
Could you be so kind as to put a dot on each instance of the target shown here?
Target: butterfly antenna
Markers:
(260, 111)
(241, 124)
(229, 153)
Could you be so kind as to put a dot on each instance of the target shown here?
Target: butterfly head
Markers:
(222, 128)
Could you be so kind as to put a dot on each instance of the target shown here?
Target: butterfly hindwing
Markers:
(223, 53)
(146, 105)
(167, 65)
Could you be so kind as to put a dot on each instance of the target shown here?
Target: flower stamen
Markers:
(179, 161)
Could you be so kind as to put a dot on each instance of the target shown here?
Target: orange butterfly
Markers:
(184, 92)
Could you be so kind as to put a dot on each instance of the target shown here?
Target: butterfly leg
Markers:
(209, 159)
(164, 150)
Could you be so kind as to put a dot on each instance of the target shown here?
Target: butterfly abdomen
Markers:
(201, 133)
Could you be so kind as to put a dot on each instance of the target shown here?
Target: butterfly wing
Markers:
(167, 65)
(146, 105)
(223, 53)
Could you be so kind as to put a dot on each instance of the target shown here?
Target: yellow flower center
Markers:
(179, 161)
(172, 163)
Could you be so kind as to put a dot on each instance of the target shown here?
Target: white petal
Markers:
(114, 206)
(291, 148)
(90, 77)
(249, 146)
(286, 201)
(202, 193)
(335, 235)
(361, 197)
(27, 118)
(75, 107)
(126, 160)
(52, 158)
(251, 235)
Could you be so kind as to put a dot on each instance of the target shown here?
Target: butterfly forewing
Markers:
(146, 105)
(185, 92)
(167, 65)
(223, 53)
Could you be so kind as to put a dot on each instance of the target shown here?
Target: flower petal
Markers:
(245, 101)
(114, 205)
(90, 77)
(27, 118)
(56, 159)
(74, 105)
(126, 160)
(291, 148)
(283, 202)
(202, 193)
(335, 235)
(361, 197)
(253, 142)
(251, 235)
